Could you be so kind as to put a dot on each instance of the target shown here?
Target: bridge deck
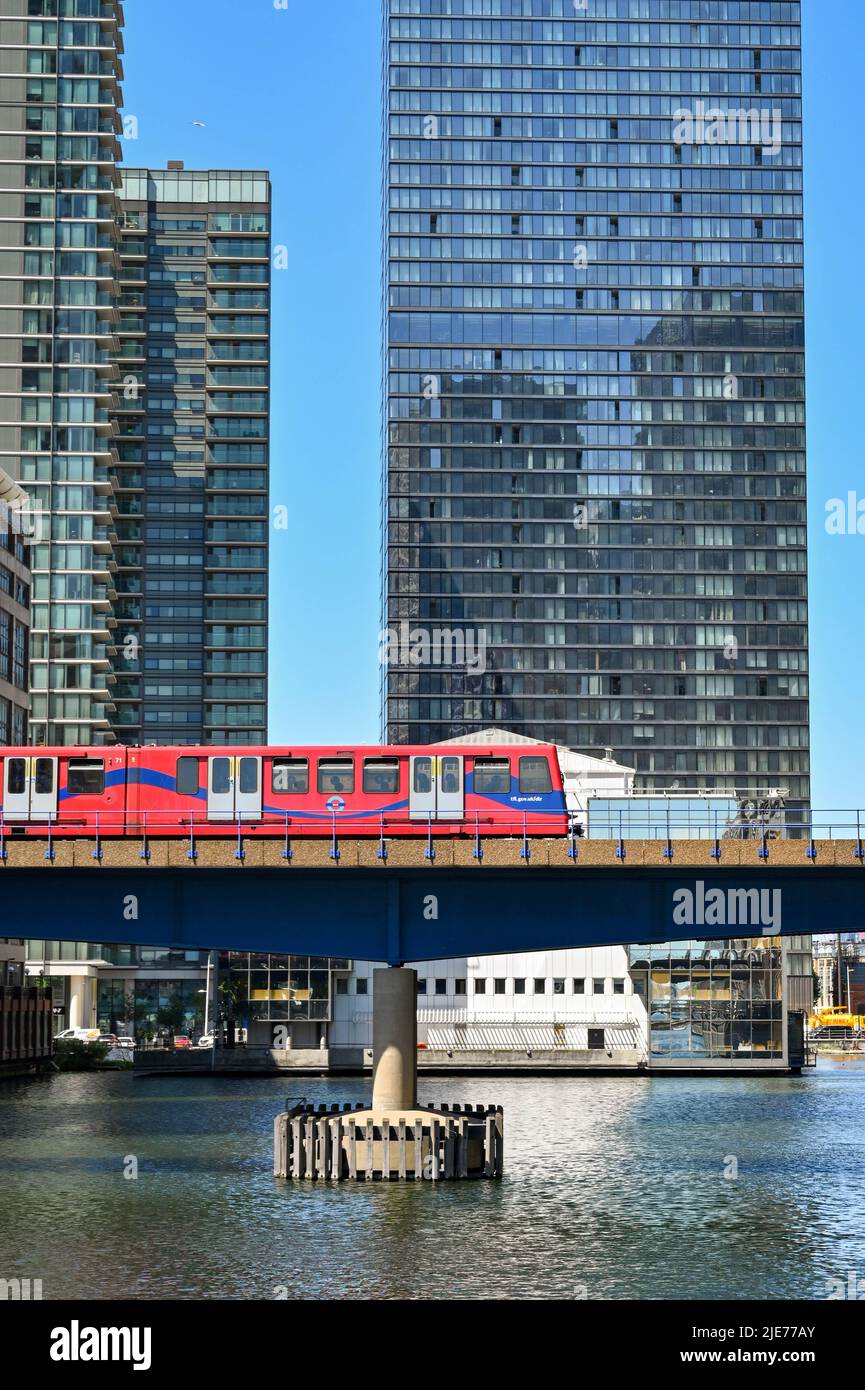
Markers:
(21, 853)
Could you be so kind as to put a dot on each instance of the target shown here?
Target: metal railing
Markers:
(628, 825)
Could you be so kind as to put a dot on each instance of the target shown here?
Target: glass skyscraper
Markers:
(60, 75)
(594, 380)
(192, 477)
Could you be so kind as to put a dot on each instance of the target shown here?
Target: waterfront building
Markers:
(192, 476)
(594, 461)
(59, 126)
(15, 581)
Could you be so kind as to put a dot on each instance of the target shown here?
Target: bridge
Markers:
(410, 900)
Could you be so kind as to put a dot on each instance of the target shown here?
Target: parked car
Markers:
(206, 1040)
(109, 1038)
(125, 1042)
(81, 1034)
(183, 1042)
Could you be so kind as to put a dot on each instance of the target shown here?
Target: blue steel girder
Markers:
(412, 914)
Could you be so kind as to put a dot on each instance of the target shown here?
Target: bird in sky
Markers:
(201, 123)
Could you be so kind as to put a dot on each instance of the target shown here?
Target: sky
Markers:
(297, 90)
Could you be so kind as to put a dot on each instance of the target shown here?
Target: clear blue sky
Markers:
(297, 91)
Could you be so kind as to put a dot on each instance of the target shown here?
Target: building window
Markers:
(480, 986)
(540, 986)
(459, 985)
(421, 986)
(342, 986)
(596, 1038)
(597, 986)
(618, 986)
(499, 985)
(441, 986)
(362, 986)
(519, 986)
(558, 986)
(579, 986)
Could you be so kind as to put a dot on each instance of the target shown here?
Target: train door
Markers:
(234, 788)
(29, 788)
(436, 788)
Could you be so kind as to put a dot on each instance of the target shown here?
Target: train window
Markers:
(422, 775)
(44, 784)
(86, 778)
(535, 775)
(335, 775)
(381, 775)
(290, 775)
(16, 776)
(449, 779)
(186, 777)
(220, 776)
(492, 776)
(248, 779)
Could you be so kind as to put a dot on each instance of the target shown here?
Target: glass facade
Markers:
(594, 379)
(192, 477)
(712, 999)
(279, 989)
(60, 70)
(14, 623)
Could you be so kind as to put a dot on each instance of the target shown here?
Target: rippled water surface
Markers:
(614, 1187)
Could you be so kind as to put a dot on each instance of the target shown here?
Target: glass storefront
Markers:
(712, 999)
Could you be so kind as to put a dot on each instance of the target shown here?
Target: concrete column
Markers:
(79, 1002)
(394, 1040)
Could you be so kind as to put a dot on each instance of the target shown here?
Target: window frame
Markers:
(489, 765)
(380, 765)
(545, 763)
(185, 759)
(76, 765)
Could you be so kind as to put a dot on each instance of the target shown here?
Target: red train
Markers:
(446, 790)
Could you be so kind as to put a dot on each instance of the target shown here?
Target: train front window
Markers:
(186, 777)
(535, 776)
(86, 778)
(492, 776)
(44, 784)
(290, 775)
(16, 776)
(381, 777)
(336, 776)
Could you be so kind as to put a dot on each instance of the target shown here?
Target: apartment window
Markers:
(540, 986)
(362, 986)
(459, 985)
(342, 986)
(441, 986)
(421, 986)
(558, 986)
(618, 986)
(480, 986)
(597, 986)
(519, 986)
(498, 985)
(579, 986)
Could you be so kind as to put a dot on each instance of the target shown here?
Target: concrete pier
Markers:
(394, 1137)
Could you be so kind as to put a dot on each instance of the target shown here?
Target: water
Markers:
(613, 1188)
